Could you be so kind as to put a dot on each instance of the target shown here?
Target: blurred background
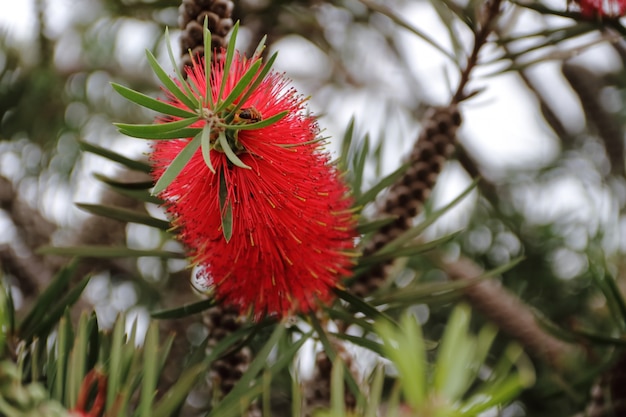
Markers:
(545, 132)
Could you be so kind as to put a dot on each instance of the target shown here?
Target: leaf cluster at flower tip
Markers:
(213, 120)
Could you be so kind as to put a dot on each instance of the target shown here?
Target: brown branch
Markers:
(510, 314)
(488, 18)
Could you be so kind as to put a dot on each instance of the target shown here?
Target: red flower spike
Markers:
(592, 9)
(292, 228)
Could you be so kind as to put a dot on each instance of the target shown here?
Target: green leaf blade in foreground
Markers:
(177, 165)
(151, 103)
(54, 292)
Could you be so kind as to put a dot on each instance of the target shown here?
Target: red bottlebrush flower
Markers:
(292, 228)
(592, 9)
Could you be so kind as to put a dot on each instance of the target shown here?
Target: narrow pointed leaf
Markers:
(177, 165)
(184, 133)
(370, 195)
(372, 226)
(208, 95)
(332, 354)
(146, 130)
(226, 209)
(346, 145)
(254, 368)
(184, 311)
(151, 103)
(175, 396)
(139, 185)
(53, 292)
(263, 123)
(150, 377)
(205, 145)
(104, 251)
(179, 76)
(54, 313)
(258, 80)
(232, 157)
(124, 215)
(228, 60)
(260, 48)
(169, 84)
(242, 84)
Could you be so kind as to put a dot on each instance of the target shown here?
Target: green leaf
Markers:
(228, 61)
(417, 230)
(151, 103)
(177, 165)
(124, 215)
(372, 226)
(411, 368)
(346, 145)
(184, 311)
(177, 394)
(179, 76)
(205, 145)
(258, 125)
(232, 157)
(361, 306)
(258, 80)
(226, 209)
(114, 379)
(55, 311)
(139, 185)
(244, 383)
(360, 341)
(208, 95)
(78, 360)
(113, 156)
(409, 250)
(457, 350)
(147, 131)
(52, 293)
(375, 394)
(259, 48)
(242, 84)
(337, 398)
(402, 22)
(191, 102)
(105, 251)
(150, 377)
(421, 292)
(173, 134)
(332, 355)
(358, 166)
(370, 195)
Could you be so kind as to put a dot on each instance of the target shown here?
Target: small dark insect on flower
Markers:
(249, 115)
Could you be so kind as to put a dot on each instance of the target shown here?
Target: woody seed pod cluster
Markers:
(317, 389)
(192, 14)
(406, 197)
(225, 372)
